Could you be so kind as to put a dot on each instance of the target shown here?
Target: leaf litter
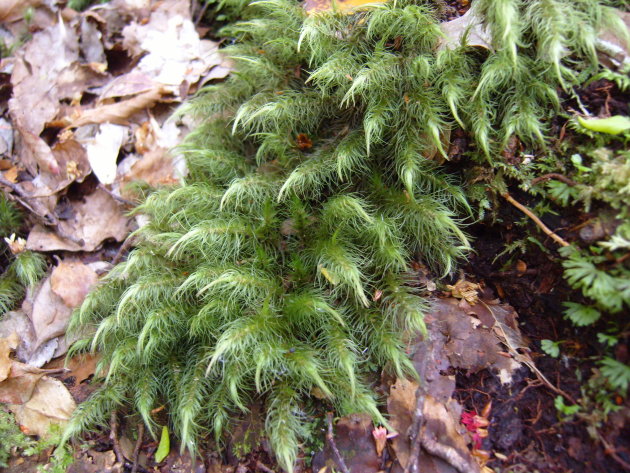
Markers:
(87, 114)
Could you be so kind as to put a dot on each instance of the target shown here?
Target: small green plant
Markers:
(14, 443)
(12, 440)
(563, 408)
(551, 348)
(23, 268)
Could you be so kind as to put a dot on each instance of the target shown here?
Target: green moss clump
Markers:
(280, 267)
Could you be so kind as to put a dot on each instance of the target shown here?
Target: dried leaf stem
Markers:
(536, 220)
(333, 446)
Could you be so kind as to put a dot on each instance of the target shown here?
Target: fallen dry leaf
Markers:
(473, 343)
(97, 218)
(17, 380)
(469, 26)
(132, 83)
(80, 367)
(171, 51)
(56, 297)
(51, 404)
(50, 315)
(12, 10)
(440, 424)
(72, 281)
(353, 437)
(7, 345)
(118, 113)
(103, 149)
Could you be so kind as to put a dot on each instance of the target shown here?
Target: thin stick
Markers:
(331, 443)
(113, 435)
(116, 196)
(415, 437)
(263, 467)
(38, 210)
(121, 251)
(554, 175)
(136, 450)
(536, 220)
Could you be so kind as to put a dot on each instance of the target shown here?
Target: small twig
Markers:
(264, 468)
(136, 450)
(536, 220)
(113, 435)
(415, 433)
(116, 196)
(554, 175)
(447, 453)
(201, 13)
(331, 443)
(38, 210)
(612, 451)
(121, 251)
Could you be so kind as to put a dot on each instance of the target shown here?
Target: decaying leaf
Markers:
(50, 404)
(12, 10)
(7, 345)
(97, 218)
(17, 380)
(172, 53)
(103, 149)
(119, 112)
(467, 29)
(353, 438)
(72, 281)
(440, 426)
(466, 290)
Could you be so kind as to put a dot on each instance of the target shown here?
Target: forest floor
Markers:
(105, 123)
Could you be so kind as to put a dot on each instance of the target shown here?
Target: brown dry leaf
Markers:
(473, 343)
(17, 380)
(95, 462)
(7, 345)
(96, 219)
(132, 83)
(11, 175)
(345, 6)
(79, 367)
(51, 404)
(156, 168)
(469, 26)
(440, 425)
(172, 53)
(353, 437)
(465, 290)
(50, 315)
(43, 59)
(13, 10)
(72, 281)
(117, 113)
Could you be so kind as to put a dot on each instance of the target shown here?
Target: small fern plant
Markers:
(280, 268)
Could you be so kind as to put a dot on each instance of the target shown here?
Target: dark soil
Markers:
(525, 425)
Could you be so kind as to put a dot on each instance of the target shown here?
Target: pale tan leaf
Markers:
(94, 220)
(71, 281)
(117, 113)
(51, 404)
